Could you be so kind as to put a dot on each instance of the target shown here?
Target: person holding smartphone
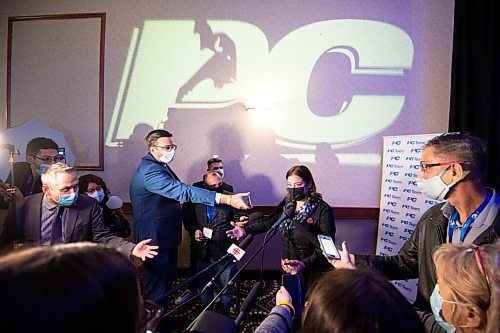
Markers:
(301, 252)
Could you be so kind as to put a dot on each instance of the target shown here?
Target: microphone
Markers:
(245, 242)
(288, 213)
(114, 202)
(249, 302)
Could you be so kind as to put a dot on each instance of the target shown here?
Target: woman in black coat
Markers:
(301, 253)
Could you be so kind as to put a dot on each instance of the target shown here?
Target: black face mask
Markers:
(297, 193)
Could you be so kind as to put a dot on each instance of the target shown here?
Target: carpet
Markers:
(180, 319)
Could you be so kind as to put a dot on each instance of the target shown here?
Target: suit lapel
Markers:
(35, 219)
(71, 218)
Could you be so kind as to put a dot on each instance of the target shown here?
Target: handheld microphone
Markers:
(249, 302)
(288, 213)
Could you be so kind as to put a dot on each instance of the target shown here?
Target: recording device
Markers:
(292, 285)
(247, 200)
(328, 246)
(288, 213)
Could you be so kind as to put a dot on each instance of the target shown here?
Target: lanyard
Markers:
(210, 213)
(468, 222)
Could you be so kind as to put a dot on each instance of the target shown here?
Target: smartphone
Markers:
(248, 201)
(292, 285)
(328, 246)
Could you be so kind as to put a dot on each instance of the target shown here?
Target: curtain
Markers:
(475, 81)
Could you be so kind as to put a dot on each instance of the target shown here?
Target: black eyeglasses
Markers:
(167, 148)
(50, 160)
(426, 166)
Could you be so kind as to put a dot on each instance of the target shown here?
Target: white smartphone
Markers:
(328, 246)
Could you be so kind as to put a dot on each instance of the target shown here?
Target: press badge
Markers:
(207, 232)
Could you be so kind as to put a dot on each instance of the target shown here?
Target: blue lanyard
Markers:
(468, 222)
(210, 213)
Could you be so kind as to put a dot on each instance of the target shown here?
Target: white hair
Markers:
(49, 177)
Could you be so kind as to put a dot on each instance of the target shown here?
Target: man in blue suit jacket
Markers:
(156, 193)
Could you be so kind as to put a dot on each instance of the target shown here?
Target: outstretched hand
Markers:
(142, 250)
(236, 233)
(347, 260)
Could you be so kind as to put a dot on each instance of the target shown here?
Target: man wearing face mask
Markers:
(452, 168)
(60, 215)
(156, 193)
(213, 164)
(40, 153)
(209, 224)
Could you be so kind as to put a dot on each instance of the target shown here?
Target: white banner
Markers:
(401, 202)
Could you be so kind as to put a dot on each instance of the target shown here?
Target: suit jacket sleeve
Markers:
(158, 180)
(102, 234)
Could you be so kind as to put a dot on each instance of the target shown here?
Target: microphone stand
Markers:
(272, 233)
(173, 290)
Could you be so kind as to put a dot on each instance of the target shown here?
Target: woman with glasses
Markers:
(307, 217)
(466, 297)
(95, 187)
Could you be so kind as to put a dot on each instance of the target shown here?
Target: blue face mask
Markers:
(437, 306)
(41, 169)
(98, 195)
(67, 200)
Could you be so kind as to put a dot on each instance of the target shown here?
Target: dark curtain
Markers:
(475, 82)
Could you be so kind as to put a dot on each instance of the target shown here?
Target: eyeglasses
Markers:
(426, 166)
(50, 160)
(167, 148)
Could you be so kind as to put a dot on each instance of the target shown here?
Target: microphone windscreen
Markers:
(244, 243)
(251, 298)
(114, 202)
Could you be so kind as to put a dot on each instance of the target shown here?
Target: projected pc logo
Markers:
(186, 64)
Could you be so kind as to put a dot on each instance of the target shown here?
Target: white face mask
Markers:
(220, 172)
(168, 156)
(434, 187)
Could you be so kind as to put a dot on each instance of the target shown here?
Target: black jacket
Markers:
(415, 257)
(24, 182)
(299, 244)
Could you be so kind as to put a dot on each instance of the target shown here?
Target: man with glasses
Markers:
(40, 153)
(452, 169)
(156, 193)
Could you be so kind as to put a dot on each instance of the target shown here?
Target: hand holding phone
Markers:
(292, 285)
(247, 200)
(328, 246)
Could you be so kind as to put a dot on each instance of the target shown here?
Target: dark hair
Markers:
(79, 287)
(85, 180)
(357, 301)
(34, 145)
(212, 161)
(461, 146)
(303, 172)
(154, 135)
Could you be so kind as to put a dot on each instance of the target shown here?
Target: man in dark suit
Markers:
(156, 193)
(213, 164)
(40, 153)
(59, 215)
(209, 225)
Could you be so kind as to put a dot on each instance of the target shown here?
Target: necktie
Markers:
(56, 236)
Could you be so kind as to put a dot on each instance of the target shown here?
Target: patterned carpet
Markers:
(180, 320)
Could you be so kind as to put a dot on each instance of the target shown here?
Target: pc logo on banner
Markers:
(401, 202)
